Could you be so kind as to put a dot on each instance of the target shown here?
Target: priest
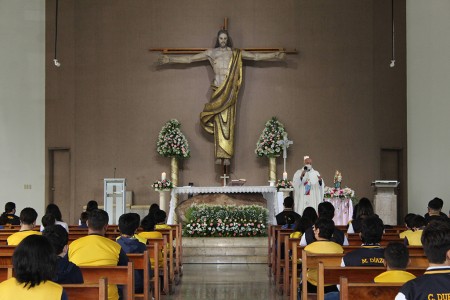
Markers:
(308, 187)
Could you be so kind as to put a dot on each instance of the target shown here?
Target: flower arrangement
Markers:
(164, 184)
(225, 221)
(172, 142)
(267, 144)
(284, 184)
(330, 192)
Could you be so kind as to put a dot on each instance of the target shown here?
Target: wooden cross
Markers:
(285, 142)
(198, 50)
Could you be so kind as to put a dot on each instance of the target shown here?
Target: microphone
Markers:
(305, 168)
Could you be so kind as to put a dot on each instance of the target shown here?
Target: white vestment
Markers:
(307, 191)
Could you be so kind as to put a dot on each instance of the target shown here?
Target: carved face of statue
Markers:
(223, 40)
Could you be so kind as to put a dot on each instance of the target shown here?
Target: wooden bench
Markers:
(330, 275)
(6, 272)
(368, 291)
(87, 291)
(287, 275)
(119, 275)
(281, 258)
(164, 268)
(141, 262)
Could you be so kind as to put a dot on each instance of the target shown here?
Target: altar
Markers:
(269, 193)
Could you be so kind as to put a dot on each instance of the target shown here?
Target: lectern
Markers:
(114, 198)
(385, 201)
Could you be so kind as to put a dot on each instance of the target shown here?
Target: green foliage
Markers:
(225, 221)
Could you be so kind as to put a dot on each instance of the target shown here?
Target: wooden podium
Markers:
(385, 200)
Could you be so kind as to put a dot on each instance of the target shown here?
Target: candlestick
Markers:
(284, 175)
(163, 176)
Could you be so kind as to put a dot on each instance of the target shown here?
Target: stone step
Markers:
(225, 250)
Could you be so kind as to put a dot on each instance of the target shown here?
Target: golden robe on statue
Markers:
(219, 115)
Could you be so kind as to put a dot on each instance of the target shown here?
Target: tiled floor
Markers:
(225, 281)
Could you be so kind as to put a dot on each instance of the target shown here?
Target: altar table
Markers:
(269, 193)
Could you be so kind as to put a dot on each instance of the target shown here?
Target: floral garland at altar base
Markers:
(284, 184)
(225, 221)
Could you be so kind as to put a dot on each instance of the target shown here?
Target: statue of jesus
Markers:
(219, 115)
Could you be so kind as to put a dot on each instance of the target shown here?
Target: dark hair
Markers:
(325, 210)
(365, 208)
(9, 207)
(288, 202)
(91, 205)
(229, 41)
(325, 226)
(58, 237)
(28, 216)
(372, 229)
(148, 224)
(436, 241)
(408, 218)
(396, 255)
(129, 223)
(53, 209)
(309, 216)
(153, 208)
(84, 217)
(48, 220)
(160, 216)
(418, 222)
(34, 261)
(97, 219)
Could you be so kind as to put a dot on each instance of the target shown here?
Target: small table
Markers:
(343, 210)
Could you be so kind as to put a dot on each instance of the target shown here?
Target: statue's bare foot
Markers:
(226, 162)
(218, 161)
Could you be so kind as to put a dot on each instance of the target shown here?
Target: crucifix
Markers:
(285, 142)
(225, 176)
(218, 116)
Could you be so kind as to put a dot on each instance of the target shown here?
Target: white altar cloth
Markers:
(343, 210)
(269, 193)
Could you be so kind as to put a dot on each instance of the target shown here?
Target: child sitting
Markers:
(396, 259)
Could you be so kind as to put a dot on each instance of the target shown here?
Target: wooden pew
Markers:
(7, 250)
(287, 275)
(87, 291)
(119, 275)
(330, 275)
(273, 246)
(280, 264)
(169, 234)
(366, 291)
(6, 272)
(164, 268)
(141, 261)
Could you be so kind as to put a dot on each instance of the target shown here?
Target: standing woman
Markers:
(34, 262)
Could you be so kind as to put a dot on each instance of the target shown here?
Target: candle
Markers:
(284, 175)
(163, 176)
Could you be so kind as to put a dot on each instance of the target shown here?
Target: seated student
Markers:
(298, 228)
(9, 217)
(48, 220)
(288, 215)
(323, 232)
(434, 211)
(83, 220)
(34, 262)
(408, 218)
(435, 282)
(370, 253)
(325, 210)
(148, 233)
(97, 250)
(66, 271)
(128, 224)
(364, 210)
(160, 220)
(396, 259)
(413, 238)
(53, 209)
(28, 218)
(91, 205)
